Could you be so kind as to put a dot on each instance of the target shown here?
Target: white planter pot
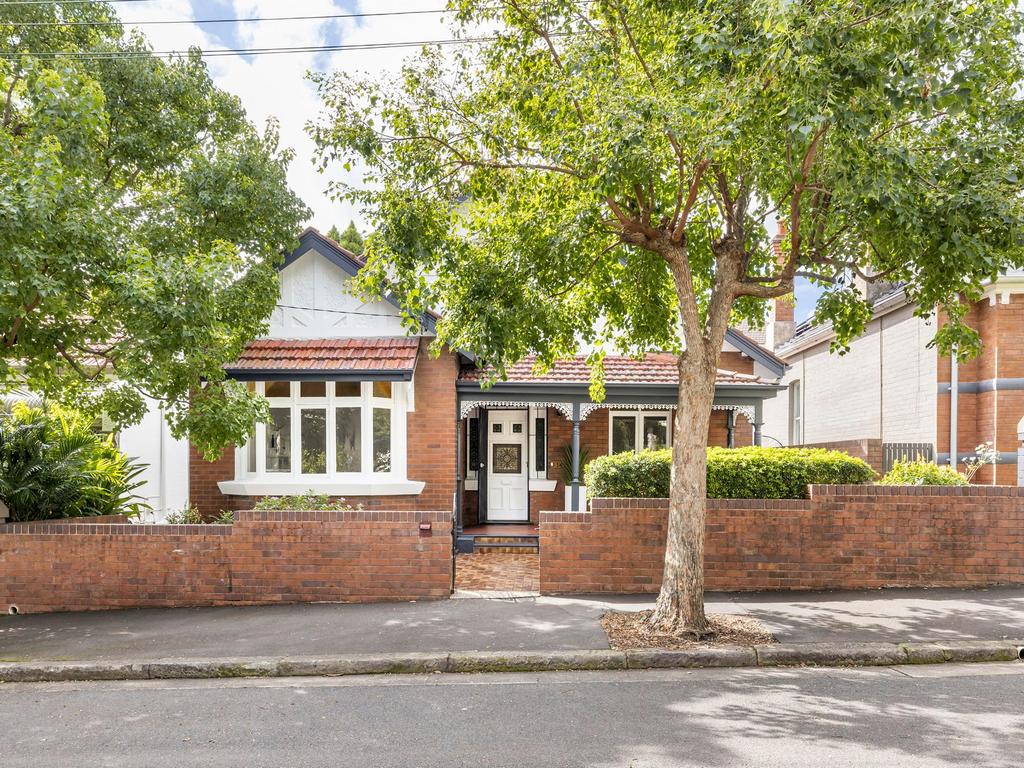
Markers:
(568, 499)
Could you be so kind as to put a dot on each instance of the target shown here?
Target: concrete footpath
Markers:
(522, 633)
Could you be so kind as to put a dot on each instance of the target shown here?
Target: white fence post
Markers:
(1020, 452)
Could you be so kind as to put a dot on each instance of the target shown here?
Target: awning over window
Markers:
(385, 359)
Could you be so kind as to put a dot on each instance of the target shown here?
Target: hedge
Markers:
(733, 473)
(922, 473)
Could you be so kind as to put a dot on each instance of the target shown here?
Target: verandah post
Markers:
(575, 498)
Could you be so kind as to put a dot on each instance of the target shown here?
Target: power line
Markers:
(215, 52)
(71, 2)
(320, 17)
(336, 311)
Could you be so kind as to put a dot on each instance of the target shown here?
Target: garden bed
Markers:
(630, 631)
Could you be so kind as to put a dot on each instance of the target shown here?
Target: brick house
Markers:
(362, 410)
(891, 395)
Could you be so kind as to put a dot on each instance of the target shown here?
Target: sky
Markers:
(276, 85)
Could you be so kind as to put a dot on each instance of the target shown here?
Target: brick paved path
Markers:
(498, 571)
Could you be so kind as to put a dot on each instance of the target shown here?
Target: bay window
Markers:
(630, 431)
(335, 436)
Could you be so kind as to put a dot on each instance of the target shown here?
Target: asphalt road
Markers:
(945, 715)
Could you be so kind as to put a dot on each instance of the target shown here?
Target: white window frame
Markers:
(638, 415)
(796, 413)
(364, 482)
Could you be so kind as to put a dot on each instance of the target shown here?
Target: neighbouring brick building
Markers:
(362, 410)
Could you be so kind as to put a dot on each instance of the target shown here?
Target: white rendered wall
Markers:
(328, 306)
(883, 388)
(166, 477)
(909, 379)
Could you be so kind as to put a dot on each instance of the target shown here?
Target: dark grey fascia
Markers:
(624, 394)
(754, 350)
(277, 374)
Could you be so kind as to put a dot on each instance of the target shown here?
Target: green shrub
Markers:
(52, 465)
(643, 475)
(192, 516)
(733, 473)
(306, 502)
(922, 472)
(779, 473)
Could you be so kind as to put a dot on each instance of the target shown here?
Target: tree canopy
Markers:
(350, 239)
(141, 218)
(587, 136)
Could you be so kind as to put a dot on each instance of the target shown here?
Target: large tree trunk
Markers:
(680, 606)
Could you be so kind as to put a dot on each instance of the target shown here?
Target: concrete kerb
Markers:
(778, 655)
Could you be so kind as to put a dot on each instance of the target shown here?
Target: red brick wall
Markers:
(430, 458)
(844, 537)
(988, 416)
(265, 557)
(203, 476)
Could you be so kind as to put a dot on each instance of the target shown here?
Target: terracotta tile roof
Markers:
(655, 368)
(330, 355)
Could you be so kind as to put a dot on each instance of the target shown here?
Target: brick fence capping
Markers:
(264, 557)
(841, 537)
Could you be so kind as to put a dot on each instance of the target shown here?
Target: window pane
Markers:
(382, 389)
(314, 441)
(278, 389)
(473, 439)
(279, 440)
(540, 446)
(348, 443)
(313, 389)
(655, 432)
(381, 439)
(623, 433)
(346, 388)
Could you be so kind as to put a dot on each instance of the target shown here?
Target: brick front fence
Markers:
(842, 537)
(265, 557)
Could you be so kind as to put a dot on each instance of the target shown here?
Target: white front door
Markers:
(507, 480)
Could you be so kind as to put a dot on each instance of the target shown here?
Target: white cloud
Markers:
(276, 85)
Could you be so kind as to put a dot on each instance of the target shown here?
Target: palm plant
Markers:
(52, 465)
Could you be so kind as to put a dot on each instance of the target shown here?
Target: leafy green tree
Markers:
(607, 174)
(140, 218)
(350, 239)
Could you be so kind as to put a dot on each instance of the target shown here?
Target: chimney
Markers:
(782, 322)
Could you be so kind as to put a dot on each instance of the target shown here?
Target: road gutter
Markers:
(775, 655)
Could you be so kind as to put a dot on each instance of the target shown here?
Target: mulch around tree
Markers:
(630, 631)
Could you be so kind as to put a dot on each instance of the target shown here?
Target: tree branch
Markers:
(679, 219)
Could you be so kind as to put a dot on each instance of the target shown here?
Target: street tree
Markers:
(140, 218)
(607, 174)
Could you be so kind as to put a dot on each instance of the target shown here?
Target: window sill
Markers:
(291, 486)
